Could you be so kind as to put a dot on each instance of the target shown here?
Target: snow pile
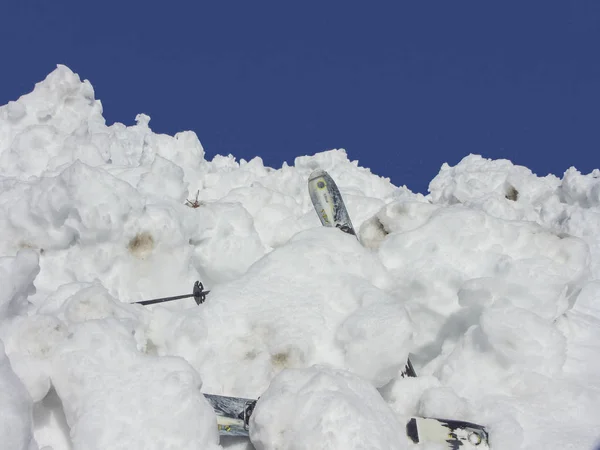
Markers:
(280, 314)
(490, 282)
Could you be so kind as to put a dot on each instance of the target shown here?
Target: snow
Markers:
(16, 413)
(491, 282)
(115, 396)
(321, 403)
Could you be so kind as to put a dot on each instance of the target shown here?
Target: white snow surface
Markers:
(491, 282)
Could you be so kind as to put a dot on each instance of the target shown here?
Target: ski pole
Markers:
(198, 293)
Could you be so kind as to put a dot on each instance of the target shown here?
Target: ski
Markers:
(332, 212)
(328, 203)
(457, 434)
(233, 414)
(233, 419)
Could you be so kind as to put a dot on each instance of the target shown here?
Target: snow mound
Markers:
(324, 408)
(318, 299)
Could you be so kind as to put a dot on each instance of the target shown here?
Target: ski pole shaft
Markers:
(165, 299)
(199, 295)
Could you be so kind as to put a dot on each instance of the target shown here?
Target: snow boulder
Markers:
(324, 408)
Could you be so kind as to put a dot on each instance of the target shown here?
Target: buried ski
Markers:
(328, 202)
(233, 419)
(233, 414)
(332, 212)
(456, 434)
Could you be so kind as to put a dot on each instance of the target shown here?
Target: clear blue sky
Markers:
(403, 86)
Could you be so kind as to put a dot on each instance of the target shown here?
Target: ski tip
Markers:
(412, 431)
(316, 174)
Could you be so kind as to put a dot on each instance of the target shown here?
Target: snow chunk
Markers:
(403, 394)
(458, 244)
(521, 338)
(16, 279)
(268, 209)
(15, 410)
(442, 402)
(225, 241)
(497, 187)
(165, 179)
(82, 204)
(324, 408)
(583, 190)
(51, 126)
(116, 397)
(15, 111)
(31, 346)
(375, 339)
(398, 216)
(508, 344)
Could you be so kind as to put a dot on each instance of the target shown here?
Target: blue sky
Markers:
(402, 86)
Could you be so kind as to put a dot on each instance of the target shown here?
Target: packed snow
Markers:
(491, 282)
